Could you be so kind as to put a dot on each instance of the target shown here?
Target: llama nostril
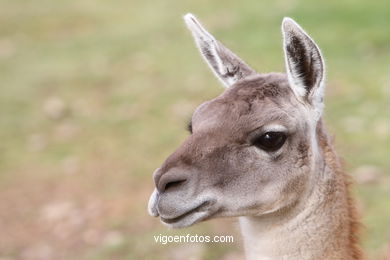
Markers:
(170, 181)
(172, 184)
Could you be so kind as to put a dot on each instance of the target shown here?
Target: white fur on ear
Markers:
(225, 64)
(305, 65)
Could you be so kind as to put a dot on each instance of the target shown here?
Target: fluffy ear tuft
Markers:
(304, 64)
(224, 63)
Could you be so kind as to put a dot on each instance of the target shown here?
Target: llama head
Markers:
(251, 151)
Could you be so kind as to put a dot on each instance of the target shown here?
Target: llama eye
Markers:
(270, 141)
(189, 127)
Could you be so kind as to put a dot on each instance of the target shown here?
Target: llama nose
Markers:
(170, 180)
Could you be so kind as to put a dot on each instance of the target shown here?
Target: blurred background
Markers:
(96, 94)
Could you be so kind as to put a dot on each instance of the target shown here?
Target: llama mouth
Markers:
(152, 204)
(190, 217)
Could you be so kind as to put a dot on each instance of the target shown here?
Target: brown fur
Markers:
(333, 160)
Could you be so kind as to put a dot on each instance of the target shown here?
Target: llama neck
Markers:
(319, 226)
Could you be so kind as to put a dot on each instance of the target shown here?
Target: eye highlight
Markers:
(270, 141)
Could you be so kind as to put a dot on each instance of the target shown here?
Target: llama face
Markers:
(251, 150)
(248, 154)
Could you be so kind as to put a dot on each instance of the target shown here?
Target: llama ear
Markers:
(225, 64)
(305, 65)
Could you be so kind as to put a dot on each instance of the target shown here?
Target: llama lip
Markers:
(200, 210)
(152, 205)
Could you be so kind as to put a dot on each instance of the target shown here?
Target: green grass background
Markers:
(129, 76)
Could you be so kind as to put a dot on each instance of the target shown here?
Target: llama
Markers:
(260, 152)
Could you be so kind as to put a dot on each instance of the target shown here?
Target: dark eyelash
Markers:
(189, 127)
